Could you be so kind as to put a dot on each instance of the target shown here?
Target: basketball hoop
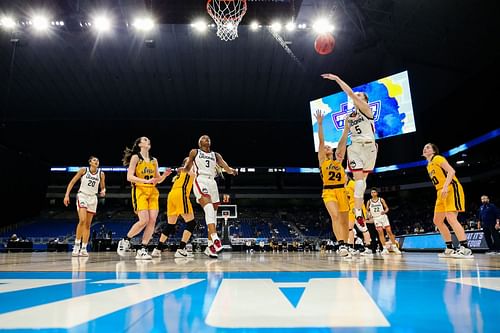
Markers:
(227, 14)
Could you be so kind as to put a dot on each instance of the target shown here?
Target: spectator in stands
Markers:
(91, 178)
(262, 246)
(14, 238)
(248, 246)
(489, 220)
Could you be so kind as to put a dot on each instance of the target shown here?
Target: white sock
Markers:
(84, 246)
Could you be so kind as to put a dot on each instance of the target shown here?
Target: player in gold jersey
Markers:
(179, 204)
(449, 202)
(334, 192)
(144, 175)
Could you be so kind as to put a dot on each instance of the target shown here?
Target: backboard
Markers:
(227, 211)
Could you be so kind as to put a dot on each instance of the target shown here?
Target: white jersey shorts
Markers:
(86, 201)
(362, 156)
(205, 186)
(381, 221)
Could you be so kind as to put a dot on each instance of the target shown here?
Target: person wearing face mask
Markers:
(489, 220)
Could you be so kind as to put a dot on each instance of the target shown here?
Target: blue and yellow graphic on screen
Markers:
(389, 99)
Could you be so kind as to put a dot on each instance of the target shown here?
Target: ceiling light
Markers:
(7, 22)
(40, 23)
(144, 24)
(322, 25)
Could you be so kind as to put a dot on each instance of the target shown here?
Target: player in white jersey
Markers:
(91, 179)
(362, 152)
(377, 209)
(205, 163)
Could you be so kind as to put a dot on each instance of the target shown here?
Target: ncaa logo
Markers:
(338, 118)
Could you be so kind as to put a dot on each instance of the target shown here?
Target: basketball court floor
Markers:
(242, 292)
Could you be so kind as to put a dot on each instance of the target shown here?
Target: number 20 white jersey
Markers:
(89, 183)
(205, 164)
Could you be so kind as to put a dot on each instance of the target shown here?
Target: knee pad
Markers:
(190, 225)
(209, 214)
(359, 188)
(168, 229)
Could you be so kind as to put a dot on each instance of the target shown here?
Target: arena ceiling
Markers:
(88, 94)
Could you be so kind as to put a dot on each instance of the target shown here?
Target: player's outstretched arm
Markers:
(225, 166)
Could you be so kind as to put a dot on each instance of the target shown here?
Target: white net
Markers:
(227, 14)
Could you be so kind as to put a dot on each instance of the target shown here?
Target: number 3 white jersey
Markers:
(89, 183)
(361, 127)
(205, 164)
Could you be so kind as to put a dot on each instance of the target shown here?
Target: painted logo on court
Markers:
(258, 303)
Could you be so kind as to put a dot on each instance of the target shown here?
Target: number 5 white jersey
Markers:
(89, 183)
(205, 164)
(362, 128)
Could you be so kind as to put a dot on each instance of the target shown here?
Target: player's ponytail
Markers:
(434, 148)
(129, 152)
(219, 169)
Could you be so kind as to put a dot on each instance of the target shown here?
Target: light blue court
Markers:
(351, 301)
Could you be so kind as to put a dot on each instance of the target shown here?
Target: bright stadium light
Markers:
(40, 23)
(200, 25)
(102, 24)
(276, 26)
(290, 26)
(144, 24)
(322, 25)
(254, 25)
(7, 22)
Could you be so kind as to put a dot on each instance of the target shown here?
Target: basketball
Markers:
(324, 43)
